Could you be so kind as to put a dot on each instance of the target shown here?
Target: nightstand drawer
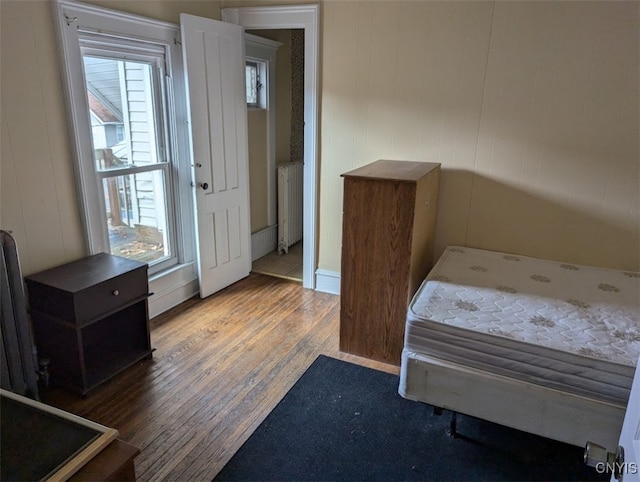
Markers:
(110, 295)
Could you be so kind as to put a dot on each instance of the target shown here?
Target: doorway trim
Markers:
(304, 17)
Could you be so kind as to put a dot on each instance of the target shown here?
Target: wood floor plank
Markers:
(220, 366)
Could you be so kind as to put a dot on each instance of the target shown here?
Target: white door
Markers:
(214, 57)
(630, 434)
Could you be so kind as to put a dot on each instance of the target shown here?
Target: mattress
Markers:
(565, 326)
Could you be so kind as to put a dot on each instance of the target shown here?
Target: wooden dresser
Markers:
(389, 217)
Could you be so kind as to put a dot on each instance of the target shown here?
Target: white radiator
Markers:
(290, 182)
(18, 358)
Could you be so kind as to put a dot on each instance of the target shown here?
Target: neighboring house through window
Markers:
(135, 171)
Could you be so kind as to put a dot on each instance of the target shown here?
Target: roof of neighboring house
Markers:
(102, 112)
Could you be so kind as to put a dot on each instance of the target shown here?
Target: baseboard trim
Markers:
(172, 287)
(264, 242)
(168, 300)
(328, 281)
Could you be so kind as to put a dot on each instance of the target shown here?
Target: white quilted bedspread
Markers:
(588, 311)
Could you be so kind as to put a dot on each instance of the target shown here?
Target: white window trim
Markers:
(180, 281)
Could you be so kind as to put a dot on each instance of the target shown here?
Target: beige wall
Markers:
(531, 107)
(557, 162)
(38, 200)
(283, 90)
(257, 121)
(166, 10)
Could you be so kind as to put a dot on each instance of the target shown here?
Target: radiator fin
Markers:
(290, 187)
(17, 349)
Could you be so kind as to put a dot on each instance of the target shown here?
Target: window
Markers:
(255, 71)
(127, 98)
(119, 132)
(252, 79)
(125, 89)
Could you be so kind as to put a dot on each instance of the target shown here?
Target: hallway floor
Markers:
(288, 266)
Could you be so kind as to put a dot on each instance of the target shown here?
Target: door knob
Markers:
(204, 185)
(597, 457)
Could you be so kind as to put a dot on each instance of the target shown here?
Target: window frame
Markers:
(78, 21)
(262, 82)
(120, 49)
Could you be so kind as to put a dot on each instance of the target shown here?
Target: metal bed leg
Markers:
(453, 425)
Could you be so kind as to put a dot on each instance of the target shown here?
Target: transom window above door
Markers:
(256, 75)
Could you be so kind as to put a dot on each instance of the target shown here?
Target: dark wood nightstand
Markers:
(90, 318)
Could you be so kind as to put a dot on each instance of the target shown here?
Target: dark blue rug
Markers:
(342, 421)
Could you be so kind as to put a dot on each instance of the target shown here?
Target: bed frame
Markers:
(548, 412)
(430, 375)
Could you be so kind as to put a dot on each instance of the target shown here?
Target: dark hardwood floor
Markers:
(220, 366)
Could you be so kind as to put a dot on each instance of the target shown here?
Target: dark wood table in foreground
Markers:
(42, 442)
(114, 462)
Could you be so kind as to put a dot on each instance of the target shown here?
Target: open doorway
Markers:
(305, 18)
(281, 265)
(276, 143)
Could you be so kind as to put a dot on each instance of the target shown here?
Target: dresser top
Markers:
(83, 273)
(408, 171)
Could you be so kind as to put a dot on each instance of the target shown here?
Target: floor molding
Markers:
(328, 281)
(162, 302)
(264, 242)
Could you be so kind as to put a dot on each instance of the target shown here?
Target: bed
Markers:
(541, 346)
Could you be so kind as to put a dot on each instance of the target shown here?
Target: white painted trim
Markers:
(269, 46)
(306, 17)
(264, 242)
(143, 22)
(172, 287)
(328, 281)
(165, 301)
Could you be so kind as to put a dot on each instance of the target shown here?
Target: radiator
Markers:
(290, 182)
(17, 350)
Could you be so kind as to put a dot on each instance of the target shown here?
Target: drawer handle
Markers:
(115, 293)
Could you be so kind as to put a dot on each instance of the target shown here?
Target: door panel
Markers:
(214, 56)
(630, 434)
